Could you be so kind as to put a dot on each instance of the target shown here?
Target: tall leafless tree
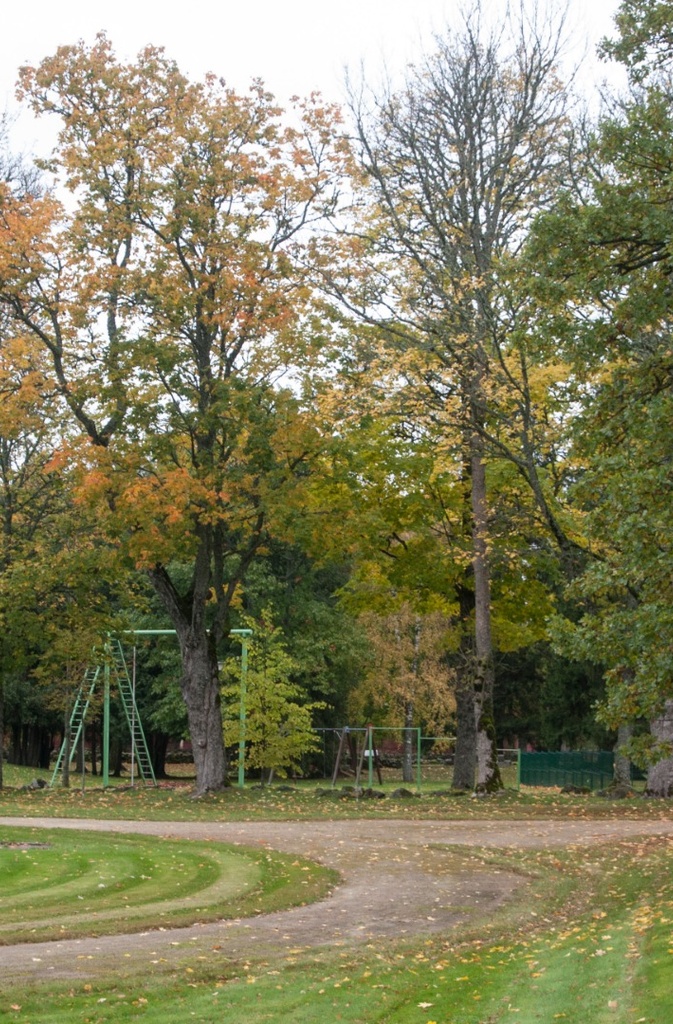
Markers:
(459, 160)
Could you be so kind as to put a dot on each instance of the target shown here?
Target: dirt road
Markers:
(399, 880)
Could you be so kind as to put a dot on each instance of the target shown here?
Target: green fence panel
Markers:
(591, 769)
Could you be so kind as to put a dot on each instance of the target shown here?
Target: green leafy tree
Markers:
(602, 272)
(325, 640)
(456, 162)
(397, 506)
(278, 717)
(57, 577)
(170, 292)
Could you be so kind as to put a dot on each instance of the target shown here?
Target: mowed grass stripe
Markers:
(91, 884)
(126, 872)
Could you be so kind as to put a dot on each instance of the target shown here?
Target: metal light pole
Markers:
(243, 635)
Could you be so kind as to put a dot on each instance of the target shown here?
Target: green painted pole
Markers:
(241, 724)
(106, 725)
(243, 635)
(418, 759)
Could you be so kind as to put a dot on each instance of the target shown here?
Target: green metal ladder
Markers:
(139, 743)
(77, 718)
(114, 662)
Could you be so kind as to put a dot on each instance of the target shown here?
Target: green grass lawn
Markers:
(56, 885)
(591, 944)
(434, 775)
(589, 940)
(173, 800)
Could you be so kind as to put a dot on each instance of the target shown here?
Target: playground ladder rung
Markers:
(117, 662)
(138, 741)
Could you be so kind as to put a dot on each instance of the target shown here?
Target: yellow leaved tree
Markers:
(164, 273)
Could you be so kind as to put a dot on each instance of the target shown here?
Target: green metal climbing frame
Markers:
(114, 670)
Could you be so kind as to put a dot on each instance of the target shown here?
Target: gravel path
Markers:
(399, 880)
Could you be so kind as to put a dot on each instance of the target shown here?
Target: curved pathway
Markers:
(399, 880)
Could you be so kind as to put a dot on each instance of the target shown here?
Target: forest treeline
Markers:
(390, 385)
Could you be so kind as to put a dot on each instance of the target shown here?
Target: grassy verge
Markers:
(593, 943)
(173, 801)
(56, 885)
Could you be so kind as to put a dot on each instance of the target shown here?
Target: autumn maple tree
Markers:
(163, 273)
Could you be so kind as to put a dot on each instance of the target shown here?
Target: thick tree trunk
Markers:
(79, 753)
(158, 744)
(200, 687)
(465, 758)
(465, 755)
(660, 776)
(116, 756)
(488, 772)
(200, 684)
(408, 755)
(622, 770)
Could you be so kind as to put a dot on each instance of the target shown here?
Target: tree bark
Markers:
(488, 772)
(465, 758)
(622, 771)
(158, 744)
(116, 756)
(660, 775)
(79, 752)
(200, 688)
(200, 684)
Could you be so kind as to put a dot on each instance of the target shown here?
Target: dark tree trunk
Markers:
(79, 753)
(660, 775)
(488, 772)
(622, 770)
(46, 742)
(200, 684)
(465, 757)
(200, 687)
(116, 756)
(158, 744)
(65, 770)
(15, 744)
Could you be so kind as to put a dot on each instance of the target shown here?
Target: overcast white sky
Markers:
(294, 45)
